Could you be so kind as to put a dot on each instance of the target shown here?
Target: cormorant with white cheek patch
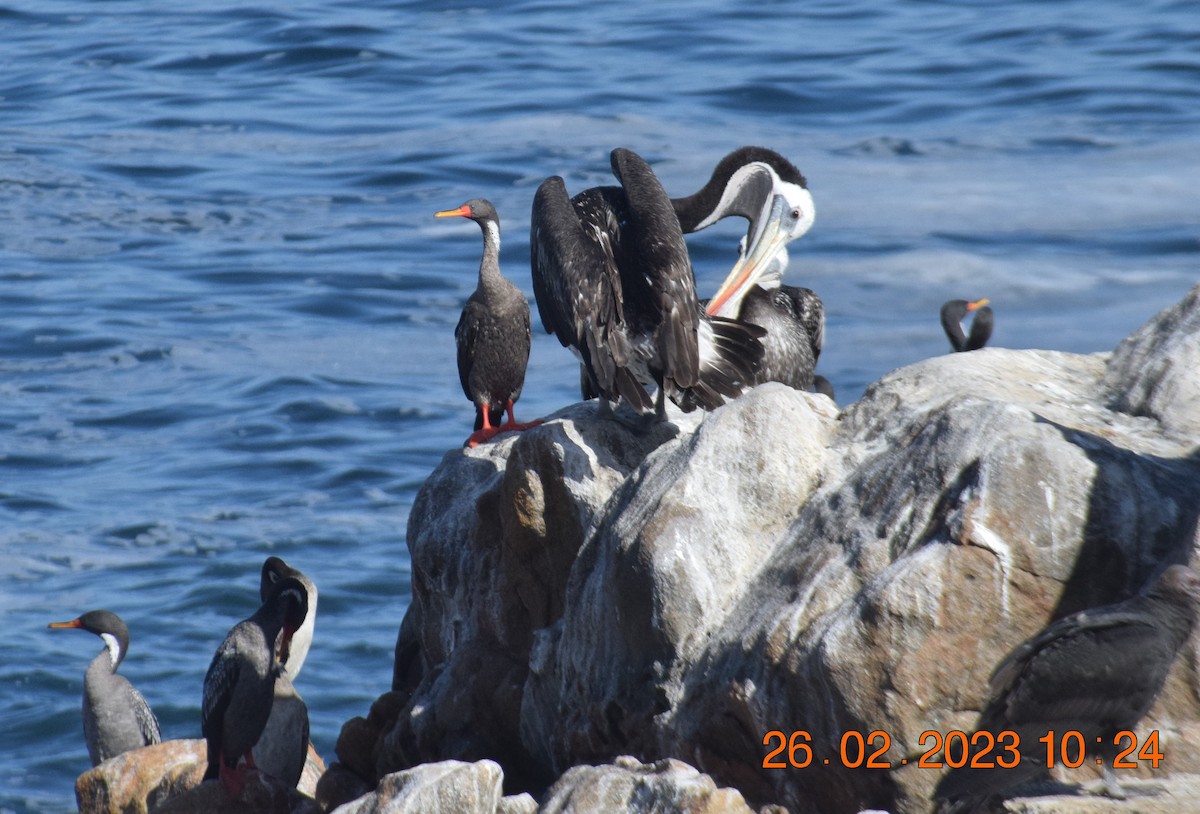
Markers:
(116, 718)
(282, 750)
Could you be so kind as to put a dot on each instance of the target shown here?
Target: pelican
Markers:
(613, 282)
(767, 190)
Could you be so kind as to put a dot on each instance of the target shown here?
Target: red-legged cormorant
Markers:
(767, 190)
(239, 688)
(613, 281)
(1095, 672)
(282, 750)
(953, 313)
(492, 334)
(116, 718)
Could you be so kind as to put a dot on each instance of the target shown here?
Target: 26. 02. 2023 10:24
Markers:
(980, 750)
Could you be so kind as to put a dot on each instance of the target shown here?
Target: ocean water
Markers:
(227, 313)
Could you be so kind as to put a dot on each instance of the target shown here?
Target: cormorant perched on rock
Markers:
(613, 281)
(953, 313)
(116, 718)
(1095, 672)
(239, 688)
(492, 334)
(282, 750)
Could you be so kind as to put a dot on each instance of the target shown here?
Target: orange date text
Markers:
(952, 750)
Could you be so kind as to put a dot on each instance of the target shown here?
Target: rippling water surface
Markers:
(228, 312)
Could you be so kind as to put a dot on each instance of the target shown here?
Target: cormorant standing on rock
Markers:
(492, 334)
(116, 718)
(239, 688)
(282, 750)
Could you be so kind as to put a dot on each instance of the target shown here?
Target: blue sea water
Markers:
(226, 312)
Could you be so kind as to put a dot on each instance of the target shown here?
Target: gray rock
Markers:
(517, 804)
(627, 785)
(678, 543)
(589, 589)
(451, 786)
(1153, 372)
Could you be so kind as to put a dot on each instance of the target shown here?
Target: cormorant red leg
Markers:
(233, 779)
(488, 431)
(511, 425)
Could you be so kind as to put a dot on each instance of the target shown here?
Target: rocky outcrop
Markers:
(666, 787)
(464, 788)
(137, 781)
(167, 778)
(595, 588)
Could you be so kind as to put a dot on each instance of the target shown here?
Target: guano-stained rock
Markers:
(448, 786)
(593, 588)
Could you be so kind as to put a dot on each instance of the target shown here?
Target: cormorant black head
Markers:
(824, 387)
(273, 570)
(108, 626)
(288, 602)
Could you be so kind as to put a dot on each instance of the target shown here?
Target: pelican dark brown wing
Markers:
(613, 281)
(577, 285)
(657, 276)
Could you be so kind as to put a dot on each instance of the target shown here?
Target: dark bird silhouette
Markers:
(794, 319)
(282, 750)
(1095, 672)
(274, 569)
(613, 282)
(767, 190)
(239, 688)
(116, 718)
(953, 313)
(492, 334)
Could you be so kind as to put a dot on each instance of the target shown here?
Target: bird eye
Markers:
(796, 214)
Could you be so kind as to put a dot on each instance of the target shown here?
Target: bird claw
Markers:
(513, 426)
(479, 436)
(488, 433)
